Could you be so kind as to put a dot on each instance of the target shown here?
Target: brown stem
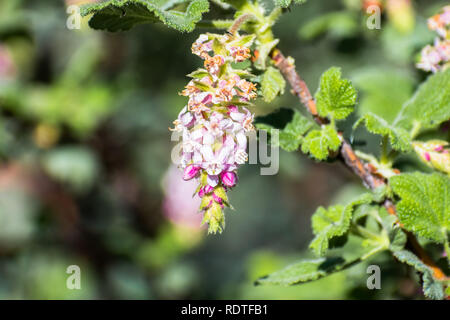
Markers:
(348, 156)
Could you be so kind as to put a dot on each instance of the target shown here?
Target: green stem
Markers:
(215, 24)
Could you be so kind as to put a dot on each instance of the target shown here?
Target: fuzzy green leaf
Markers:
(335, 97)
(319, 142)
(430, 105)
(291, 136)
(425, 203)
(287, 3)
(431, 288)
(121, 15)
(399, 137)
(304, 271)
(333, 222)
(272, 84)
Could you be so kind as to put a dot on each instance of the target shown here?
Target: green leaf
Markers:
(75, 166)
(424, 207)
(399, 137)
(431, 288)
(333, 222)
(307, 270)
(264, 50)
(272, 84)
(291, 136)
(319, 142)
(287, 3)
(382, 91)
(430, 105)
(335, 97)
(339, 24)
(121, 15)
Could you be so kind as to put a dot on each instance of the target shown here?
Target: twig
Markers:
(348, 156)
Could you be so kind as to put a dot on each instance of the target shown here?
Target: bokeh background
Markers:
(85, 169)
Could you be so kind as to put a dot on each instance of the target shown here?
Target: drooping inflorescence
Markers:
(437, 57)
(214, 123)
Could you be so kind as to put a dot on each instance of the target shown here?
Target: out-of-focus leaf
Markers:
(76, 166)
(382, 92)
(17, 211)
(337, 24)
(430, 105)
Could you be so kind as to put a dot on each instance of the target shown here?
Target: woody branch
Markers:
(347, 154)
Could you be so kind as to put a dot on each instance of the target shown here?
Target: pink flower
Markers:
(213, 131)
(229, 179)
(190, 172)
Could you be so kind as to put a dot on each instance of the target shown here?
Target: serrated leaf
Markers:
(335, 97)
(424, 207)
(333, 222)
(319, 143)
(432, 288)
(291, 136)
(272, 84)
(121, 15)
(304, 271)
(398, 137)
(430, 105)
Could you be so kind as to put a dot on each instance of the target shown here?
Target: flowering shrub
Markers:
(400, 212)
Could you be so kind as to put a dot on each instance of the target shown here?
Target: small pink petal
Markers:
(229, 179)
(190, 172)
(217, 198)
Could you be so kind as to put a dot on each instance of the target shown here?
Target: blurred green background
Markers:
(86, 177)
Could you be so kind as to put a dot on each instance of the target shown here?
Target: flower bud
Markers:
(229, 179)
(434, 154)
(190, 172)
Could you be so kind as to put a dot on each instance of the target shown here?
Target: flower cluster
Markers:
(437, 57)
(214, 123)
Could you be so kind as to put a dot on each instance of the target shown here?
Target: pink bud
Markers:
(201, 193)
(229, 179)
(439, 148)
(207, 99)
(233, 108)
(217, 198)
(190, 172)
(427, 156)
(208, 189)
